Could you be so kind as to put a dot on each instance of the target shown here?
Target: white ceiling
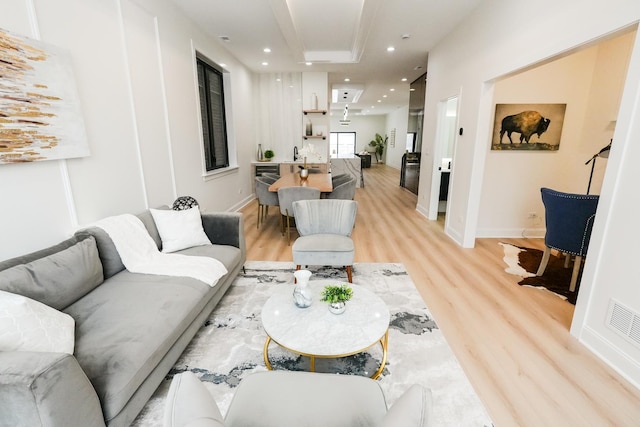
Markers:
(346, 38)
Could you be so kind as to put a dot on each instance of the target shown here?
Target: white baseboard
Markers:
(496, 233)
(608, 352)
(242, 203)
(422, 211)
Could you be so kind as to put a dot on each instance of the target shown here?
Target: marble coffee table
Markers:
(316, 332)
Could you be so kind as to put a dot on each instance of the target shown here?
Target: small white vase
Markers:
(301, 293)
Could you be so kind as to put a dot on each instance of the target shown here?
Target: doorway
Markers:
(410, 168)
(443, 157)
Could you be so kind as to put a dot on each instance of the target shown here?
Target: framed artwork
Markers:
(530, 127)
(40, 115)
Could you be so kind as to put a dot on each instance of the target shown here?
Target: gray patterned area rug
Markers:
(230, 345)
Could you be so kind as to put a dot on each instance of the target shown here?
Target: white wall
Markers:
(398, 120)
(315, 84)
(512, 179)
(278, 109)
(135, 74)
(493, 43)
(365, 128)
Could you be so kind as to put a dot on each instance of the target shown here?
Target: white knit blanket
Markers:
(139, 252)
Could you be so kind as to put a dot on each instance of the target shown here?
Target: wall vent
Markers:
(624, 321)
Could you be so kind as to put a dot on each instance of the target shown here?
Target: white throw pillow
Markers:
(28, 325)
(180, 229)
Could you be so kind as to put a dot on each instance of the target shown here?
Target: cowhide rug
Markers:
(524, 262)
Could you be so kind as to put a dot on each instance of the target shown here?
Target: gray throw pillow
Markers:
(59, 279)
(109, 256)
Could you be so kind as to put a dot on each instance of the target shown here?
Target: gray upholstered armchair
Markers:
(325, 228)
(293, 399)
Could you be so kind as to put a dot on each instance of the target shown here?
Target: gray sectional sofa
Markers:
(129, 328)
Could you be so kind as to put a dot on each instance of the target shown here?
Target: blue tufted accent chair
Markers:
(569, 219)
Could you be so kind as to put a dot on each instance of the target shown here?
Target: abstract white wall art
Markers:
(40, 115)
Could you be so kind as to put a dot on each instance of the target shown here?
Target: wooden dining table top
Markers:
(321, 181)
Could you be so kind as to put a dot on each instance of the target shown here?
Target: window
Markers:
(214, 127)
(342, 144)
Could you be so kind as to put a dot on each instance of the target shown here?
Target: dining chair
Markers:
(569, 220)
(345, 190)
(265, 198)
(339, 179)
(325, 228)
(286, 197)
(271, 176)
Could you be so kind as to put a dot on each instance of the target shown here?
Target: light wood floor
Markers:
(513, 342)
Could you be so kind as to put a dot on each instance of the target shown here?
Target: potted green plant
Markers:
(269, 154)
(378, 144)
(337, 296)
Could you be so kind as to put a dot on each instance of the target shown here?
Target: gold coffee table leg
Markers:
(265, 353)
(384, 342)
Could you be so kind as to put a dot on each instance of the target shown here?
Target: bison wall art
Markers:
(528, 126)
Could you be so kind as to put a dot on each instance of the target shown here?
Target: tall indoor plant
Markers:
(379, 143)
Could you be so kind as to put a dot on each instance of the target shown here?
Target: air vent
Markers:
(624, 321)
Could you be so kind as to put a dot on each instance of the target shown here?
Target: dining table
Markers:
(321, 181)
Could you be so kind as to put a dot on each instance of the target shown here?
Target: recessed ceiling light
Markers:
(391, 49)
(265, 63)
(266, 50)
(347, 79)
(404, 79)
(392, 90)
(309, 63)
(406, 36)
(278, 80)
(384, 96)
(412, 90)
(379, 100)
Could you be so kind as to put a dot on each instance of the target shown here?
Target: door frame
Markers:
(439, 149)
